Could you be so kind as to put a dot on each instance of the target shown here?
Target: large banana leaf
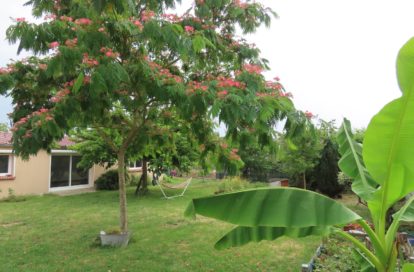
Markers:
(275, 207)
(405, 67)
(408, 267)
(388, 143)
(242, 235)
(352, 164)
(406, 214)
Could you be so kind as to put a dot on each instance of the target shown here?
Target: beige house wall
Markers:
(32, 177)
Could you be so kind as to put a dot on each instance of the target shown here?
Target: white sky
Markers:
(337, 57)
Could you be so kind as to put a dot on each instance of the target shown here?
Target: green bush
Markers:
(237, 184)
(109, 181)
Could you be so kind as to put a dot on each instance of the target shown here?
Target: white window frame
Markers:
(11, 166)
(135, 168)
(70, 153)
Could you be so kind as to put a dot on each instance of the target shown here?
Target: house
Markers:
(43, 173)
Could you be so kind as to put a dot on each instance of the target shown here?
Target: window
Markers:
(6, 164)
(135, 165)
(64, 172)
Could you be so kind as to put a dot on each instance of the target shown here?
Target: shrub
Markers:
(236, 184)
(109, 181)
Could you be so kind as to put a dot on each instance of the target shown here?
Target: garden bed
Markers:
(336, 255)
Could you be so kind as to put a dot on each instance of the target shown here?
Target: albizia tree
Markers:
(116, 66)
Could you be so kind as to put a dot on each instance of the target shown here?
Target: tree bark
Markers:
(142, 186)
(304, 180)
(122, 192)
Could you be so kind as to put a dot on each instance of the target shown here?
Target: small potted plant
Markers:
(114, 237)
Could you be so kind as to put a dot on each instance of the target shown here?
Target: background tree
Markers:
(4, 127)
(115, 66)
(300, 154)
(324, 176)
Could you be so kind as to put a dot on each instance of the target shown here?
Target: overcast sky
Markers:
(337, 57)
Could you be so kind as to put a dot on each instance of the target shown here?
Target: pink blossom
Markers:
(4, 71)
(222, 94)
(50, 16)
(147, 15)
(86, 80)
(276, 78)
(138, 24)
(43, 110)
(71, 43)
(189, 29)
(21, 19)
(240, 4)
(308, 114)
(253, 69)
(83, 21)
(66, 18)
(42, 66)
(53, 44)
(101, 29)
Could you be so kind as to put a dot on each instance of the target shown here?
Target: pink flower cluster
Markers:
(83, 21)
(288, 94)
(222, 94)
(229, 82)
(53, 45)
(138, 24)
(233, 156)
(41, 112)
(42, 66)
(4, 71)
(189, 29)
(172, 17)
(253, 69)
(240, 4)
(89, 61)
(71, 42)
(50, 17)
(21, 19)
(66, 18)
(273, 85)
(147, 15)
(195, 86)
(163, 73)
(308, 114)
(109, 53)
(86, 80)
(60, 95)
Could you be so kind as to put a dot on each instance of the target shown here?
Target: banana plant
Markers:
(383, 174)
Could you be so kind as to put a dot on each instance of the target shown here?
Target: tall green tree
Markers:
(115, 66)
(298, 155)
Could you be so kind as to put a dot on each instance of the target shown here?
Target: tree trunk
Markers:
(304, 180)
(122, 192)
(142, 186)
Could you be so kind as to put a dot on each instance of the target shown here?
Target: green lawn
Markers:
(55, 233)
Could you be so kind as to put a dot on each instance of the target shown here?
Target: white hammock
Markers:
(183, 185)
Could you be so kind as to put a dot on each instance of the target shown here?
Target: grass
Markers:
(54, 233)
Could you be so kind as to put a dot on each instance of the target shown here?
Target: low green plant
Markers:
(109, 180)
(12, 197)
(233, 184)
(382, 173)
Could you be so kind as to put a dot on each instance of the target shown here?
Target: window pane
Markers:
(79, 176)
(59, 175)
(4, 164)
(138, 163)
